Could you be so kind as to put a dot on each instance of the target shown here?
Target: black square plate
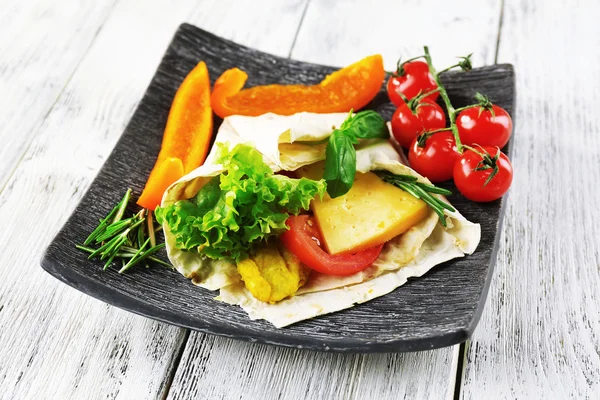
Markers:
(438, 309)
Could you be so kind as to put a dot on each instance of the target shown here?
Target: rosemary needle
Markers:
(126, 253)
(135, 256)
(130, 239)
(139, 257)
(123, 205)
(420, 190)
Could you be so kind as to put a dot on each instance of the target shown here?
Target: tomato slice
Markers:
(304, 239)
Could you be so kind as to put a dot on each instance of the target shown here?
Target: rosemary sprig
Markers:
(140, 256)
(420, 190)
(125, 254)
(124, 238)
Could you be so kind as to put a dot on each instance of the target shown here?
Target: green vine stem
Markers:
(458, 110)
(417, 101)
(422, 138)
(464, 64)
(444, 94)
(400, 65)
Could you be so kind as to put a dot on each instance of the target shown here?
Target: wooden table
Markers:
(71, 74)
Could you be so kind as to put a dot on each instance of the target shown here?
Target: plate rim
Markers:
(114, 297)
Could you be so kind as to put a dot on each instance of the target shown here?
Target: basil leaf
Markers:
(348, 121)
(368, 125)
(340, 163)
(340, 155)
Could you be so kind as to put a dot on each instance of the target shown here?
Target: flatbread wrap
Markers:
(297, 144)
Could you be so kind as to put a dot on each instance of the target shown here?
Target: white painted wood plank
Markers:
(339, 33)
(216, 368)
(538, 337)
(41, 44)
(54, 341)
(266, 25)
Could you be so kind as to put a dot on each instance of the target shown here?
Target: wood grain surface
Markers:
(538, 337)
(41, 46)
(211, 364)
(340, 32)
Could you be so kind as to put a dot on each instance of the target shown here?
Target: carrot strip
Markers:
(186, 138)
(351, 87)
(229, 83)
(162, 176)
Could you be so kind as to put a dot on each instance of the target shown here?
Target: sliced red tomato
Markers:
(304, 240)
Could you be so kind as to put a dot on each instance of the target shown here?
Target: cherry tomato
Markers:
(471, 180)
(415, 79)
(480, 126)
(436, 159)
(304, 238)
(406, 126)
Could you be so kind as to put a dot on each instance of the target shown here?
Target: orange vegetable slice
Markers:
(162, 176)
(186, 138)
(352, 87)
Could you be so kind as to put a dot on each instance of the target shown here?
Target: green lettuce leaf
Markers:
(240, 208)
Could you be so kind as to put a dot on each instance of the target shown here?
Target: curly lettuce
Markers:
(235, 211)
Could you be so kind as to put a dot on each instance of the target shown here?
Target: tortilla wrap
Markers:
(284, 142)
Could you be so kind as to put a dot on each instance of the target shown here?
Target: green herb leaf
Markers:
(348, 121)
(115, 235)
(108, 219)
(340, 164)
(368, 125)
(340, 155)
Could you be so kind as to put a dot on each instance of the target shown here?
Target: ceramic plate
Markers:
(439, 309)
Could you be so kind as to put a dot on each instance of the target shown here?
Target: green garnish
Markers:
(124, 238)
(420, 190)
(340, 155)
(340, 162)
(238, 209)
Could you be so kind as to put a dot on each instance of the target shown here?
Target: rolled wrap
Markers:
(284, 142)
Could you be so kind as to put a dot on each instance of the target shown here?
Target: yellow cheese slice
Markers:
(371, 213)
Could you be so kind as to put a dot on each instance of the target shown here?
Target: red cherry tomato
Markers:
(472, 183)
(479, 126)
(415, 79)
(304, 238)
(436, 159)
(406, 126)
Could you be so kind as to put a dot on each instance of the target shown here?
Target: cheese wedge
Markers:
(371, 213)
